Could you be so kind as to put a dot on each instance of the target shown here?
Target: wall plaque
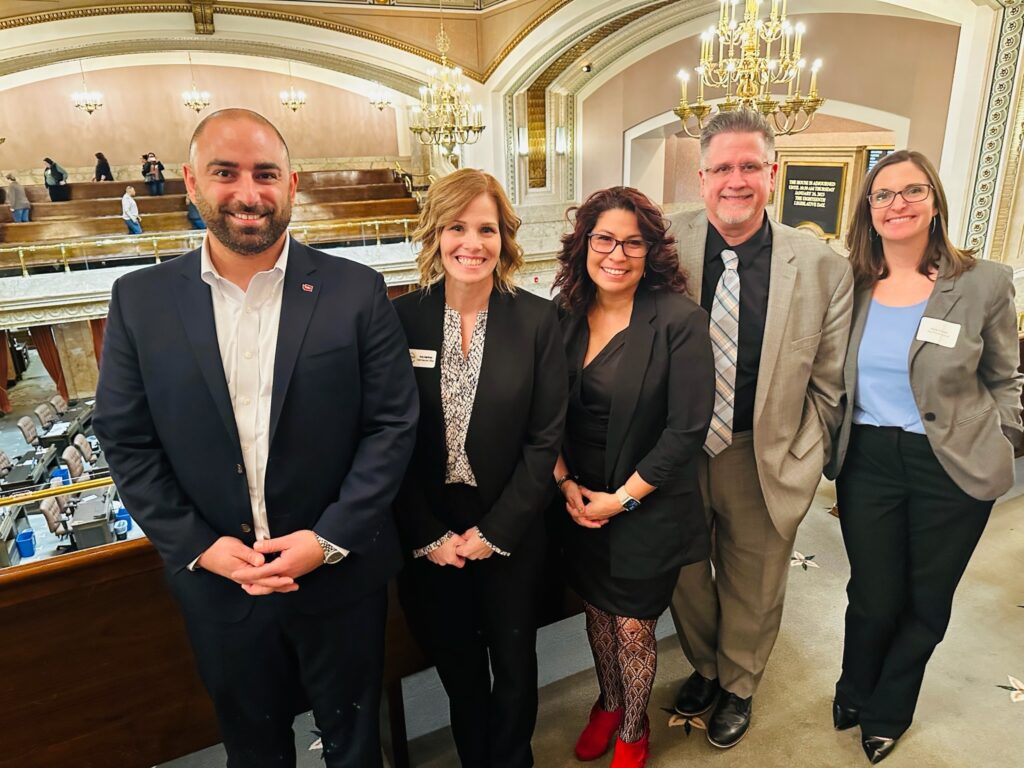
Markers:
(812, 196)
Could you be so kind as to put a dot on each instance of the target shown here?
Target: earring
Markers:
(936, 216)
(872, 233)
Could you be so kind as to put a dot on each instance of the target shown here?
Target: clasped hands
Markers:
(458, 549)
(598, 509)
(298, 554)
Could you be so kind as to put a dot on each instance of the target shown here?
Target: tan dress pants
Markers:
(728, 610)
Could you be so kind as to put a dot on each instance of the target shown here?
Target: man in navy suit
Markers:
(257, 407)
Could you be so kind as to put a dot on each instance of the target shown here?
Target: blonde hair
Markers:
(448, 197)
(865, 246)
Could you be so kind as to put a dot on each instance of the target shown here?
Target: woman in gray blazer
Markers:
(926, 445)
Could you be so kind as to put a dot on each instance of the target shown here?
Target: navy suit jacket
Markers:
(342, 425)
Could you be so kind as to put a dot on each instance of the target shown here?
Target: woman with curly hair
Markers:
(491, 375)
(641, 393)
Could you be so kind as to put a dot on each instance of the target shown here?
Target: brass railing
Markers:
(64, 254)
(56, 490)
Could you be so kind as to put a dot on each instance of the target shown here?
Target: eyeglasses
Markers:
(914, 193)
(634, 248)
(746, 169)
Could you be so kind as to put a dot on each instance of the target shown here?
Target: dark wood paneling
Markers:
(98, 672)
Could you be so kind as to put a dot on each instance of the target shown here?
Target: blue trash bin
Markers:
(26, 542)
(122, 514)
(62, 473)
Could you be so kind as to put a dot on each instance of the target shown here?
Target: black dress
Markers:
(587, 550)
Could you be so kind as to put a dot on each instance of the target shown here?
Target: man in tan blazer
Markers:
(780, 304)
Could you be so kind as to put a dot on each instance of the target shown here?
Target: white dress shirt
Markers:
(130, 210)
(247, 323)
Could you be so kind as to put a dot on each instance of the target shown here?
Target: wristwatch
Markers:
(628, 502)
(331, 554)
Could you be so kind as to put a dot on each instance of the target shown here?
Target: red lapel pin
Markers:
(307, 287)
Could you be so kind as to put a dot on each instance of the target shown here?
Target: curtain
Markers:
(46, 346)
(5, 352)
(98, 326)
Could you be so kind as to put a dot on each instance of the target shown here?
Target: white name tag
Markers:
(423, 358)
(938, 332)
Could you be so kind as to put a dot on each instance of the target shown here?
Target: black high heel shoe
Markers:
(844, 717)
(877, 748)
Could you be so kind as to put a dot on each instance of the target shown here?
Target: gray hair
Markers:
(738, 121)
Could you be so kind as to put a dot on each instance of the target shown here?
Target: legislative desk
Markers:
(29, 469)
(61, 433)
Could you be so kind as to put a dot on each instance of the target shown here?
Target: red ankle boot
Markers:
(597, 736)
(632, 754)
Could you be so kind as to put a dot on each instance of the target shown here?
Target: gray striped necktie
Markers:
(725, 334)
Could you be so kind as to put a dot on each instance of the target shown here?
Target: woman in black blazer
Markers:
(491, 372)
(642, 384)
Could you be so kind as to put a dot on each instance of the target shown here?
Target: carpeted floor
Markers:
(965, 718)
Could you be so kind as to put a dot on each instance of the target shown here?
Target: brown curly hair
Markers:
(661, 268)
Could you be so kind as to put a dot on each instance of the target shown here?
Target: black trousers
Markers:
(256, 671)
(909, 532)
(479, 622)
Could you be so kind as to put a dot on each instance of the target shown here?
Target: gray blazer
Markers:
(800, 379)
(968, 395)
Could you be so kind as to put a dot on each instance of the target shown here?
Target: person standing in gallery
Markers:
(491, 373)
(932, 417)
(257, 408)
(641, 389)
(780, 304)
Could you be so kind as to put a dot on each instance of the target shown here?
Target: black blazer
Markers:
(663, 398)
(516, 427)
(342, 423)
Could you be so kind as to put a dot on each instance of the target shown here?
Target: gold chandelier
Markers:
(444, 117)
(379, 97)
(292, 98)
(748, 72)
(195, 100)
(86, 100)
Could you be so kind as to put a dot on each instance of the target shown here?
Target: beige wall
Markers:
(143, 112)
(902, 66)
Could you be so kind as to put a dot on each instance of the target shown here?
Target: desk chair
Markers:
(58, 522)
(28, 431)
(89, 453)
(5, 464)
(75, 464)
(60, 405)
(46, 414)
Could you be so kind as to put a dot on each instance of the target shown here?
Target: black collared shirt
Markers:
(755, 272)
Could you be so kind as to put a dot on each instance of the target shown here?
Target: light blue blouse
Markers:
(883, 397)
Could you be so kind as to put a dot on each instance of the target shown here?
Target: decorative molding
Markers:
(202, 15)
(54, 311)
(263, 50)
(203, 11)
(84, 13)
(997, 128)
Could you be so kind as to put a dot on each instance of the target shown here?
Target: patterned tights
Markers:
(626, 657)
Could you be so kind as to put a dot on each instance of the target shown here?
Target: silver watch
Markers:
(331, 554)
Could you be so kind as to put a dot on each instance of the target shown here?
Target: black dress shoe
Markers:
(877, 748)
(730, 720)
(696, 695)
(844, 717)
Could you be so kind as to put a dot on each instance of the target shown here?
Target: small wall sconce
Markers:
(560, 140)
(522, 142)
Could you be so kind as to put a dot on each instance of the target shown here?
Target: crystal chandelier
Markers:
(195, 100)
(379, 97)
(747, 71)
(86, 100)
(444, 117)
(292, 98)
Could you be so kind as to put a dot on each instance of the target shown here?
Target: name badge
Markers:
(938, 332)
(423, 358)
